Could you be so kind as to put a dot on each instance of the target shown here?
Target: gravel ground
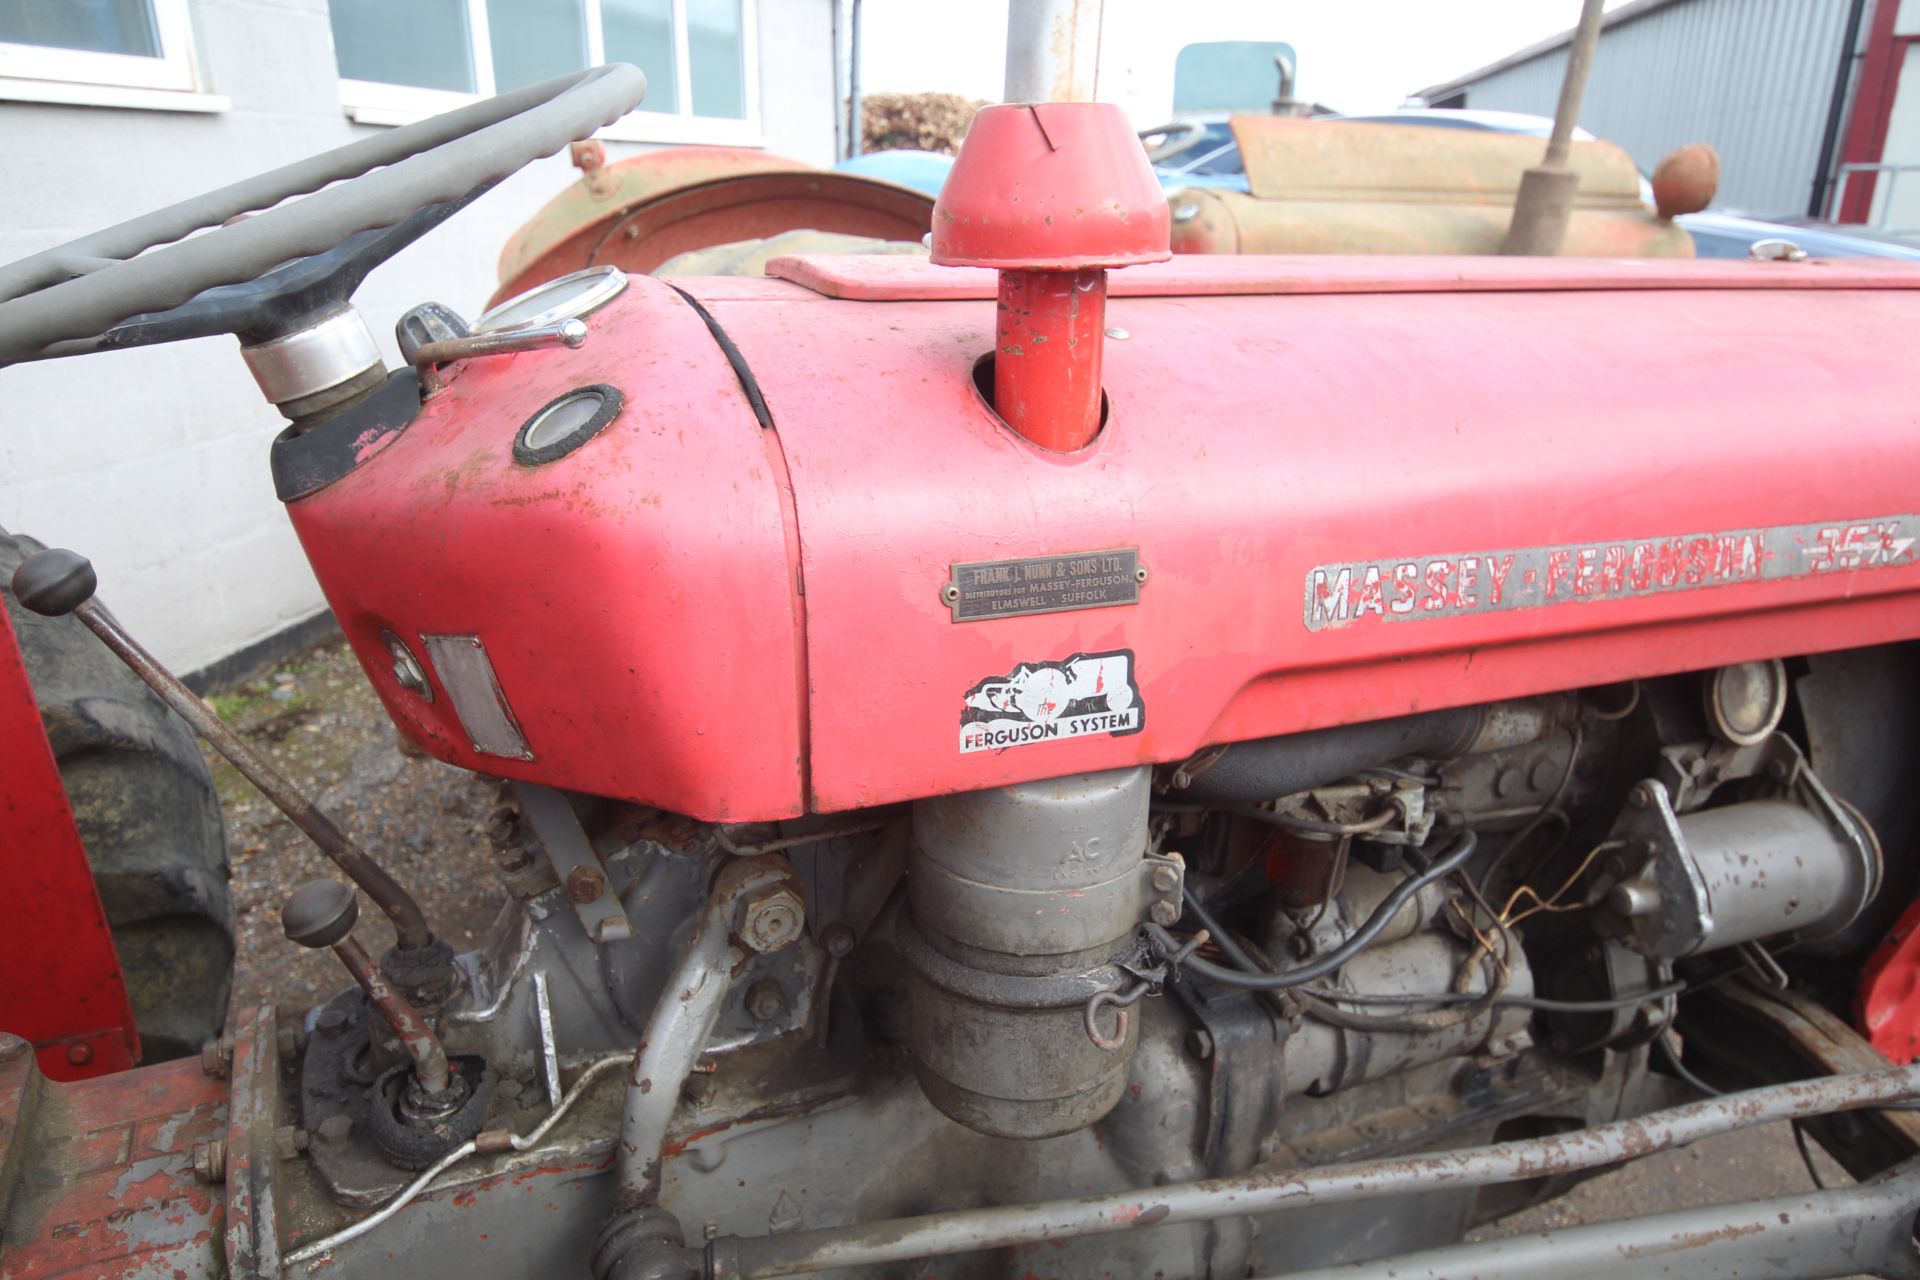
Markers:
(319, 722)
(317, 719)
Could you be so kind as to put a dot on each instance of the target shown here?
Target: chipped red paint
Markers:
(1266, 416)
(60, 981)
(111, 1191)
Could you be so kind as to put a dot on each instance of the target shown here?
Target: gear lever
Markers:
(56, 582)
(322, 913)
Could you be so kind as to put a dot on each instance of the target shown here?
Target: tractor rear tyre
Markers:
(144, 802)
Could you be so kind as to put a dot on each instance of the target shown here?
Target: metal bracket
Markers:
(583, 879)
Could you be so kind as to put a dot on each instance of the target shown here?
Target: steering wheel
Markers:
(269, 268)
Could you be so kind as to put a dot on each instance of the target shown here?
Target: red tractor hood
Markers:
(803, 568)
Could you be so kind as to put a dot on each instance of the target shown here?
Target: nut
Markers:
(586, 884)
(210, 1161)
(216, 1057)
(289, 1142)
(772, 917)
(766, 1000)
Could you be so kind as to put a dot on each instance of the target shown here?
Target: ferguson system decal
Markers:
(1084, 696)
(1447, 586)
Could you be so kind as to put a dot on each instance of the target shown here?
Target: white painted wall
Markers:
(154, 462)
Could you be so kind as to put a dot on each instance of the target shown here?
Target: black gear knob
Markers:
(320, 913)
(54, 582)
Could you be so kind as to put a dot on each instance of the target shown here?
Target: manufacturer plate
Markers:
(1044, 584)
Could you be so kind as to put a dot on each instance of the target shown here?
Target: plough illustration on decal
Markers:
(1089, 693)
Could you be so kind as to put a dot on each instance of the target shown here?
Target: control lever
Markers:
(322, 913)
(55, 582)
(430, 355)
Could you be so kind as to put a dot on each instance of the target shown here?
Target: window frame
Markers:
(45, 73)
(375, 103)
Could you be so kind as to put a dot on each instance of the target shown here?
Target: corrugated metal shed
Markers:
(1753, 77)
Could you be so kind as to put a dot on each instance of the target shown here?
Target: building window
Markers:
(70, 50)
(398, 62)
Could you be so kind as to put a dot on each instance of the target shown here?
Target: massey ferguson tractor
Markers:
(1052, 761)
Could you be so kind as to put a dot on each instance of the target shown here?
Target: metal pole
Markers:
(1841, 1232)
(1268, 1190)
(1053, 50)
(409, 925)
(856, 123)
(1544, 204)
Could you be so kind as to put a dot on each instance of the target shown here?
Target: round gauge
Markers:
(563, 425)
(563, 298)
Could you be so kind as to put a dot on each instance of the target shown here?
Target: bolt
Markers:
(838, 939)
(772, 917)
(1642, 796)
(1163, 912)
(334, 1129)
(79, 1053)
(331, 1020)
(586, 884)
(1200, 1043)
(216, 1056)
(1165, 879)
(210, 1161)
(289, 1142)
(1300, 946)
(766, 1000)
(1778, 770)
(289, 1041)
(698, 1090)
(11, 1047)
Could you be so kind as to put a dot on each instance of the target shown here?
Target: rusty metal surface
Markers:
(1824, 1233)
(409, 925)
(1375, 188)
(1268, 1190)
(640, 233)
(252, 1237)
(1317, 160)
(409, 1028)
(1233, 222)
(97, 1177)
(1820, 1041)
(608, 189)
(60, 980)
